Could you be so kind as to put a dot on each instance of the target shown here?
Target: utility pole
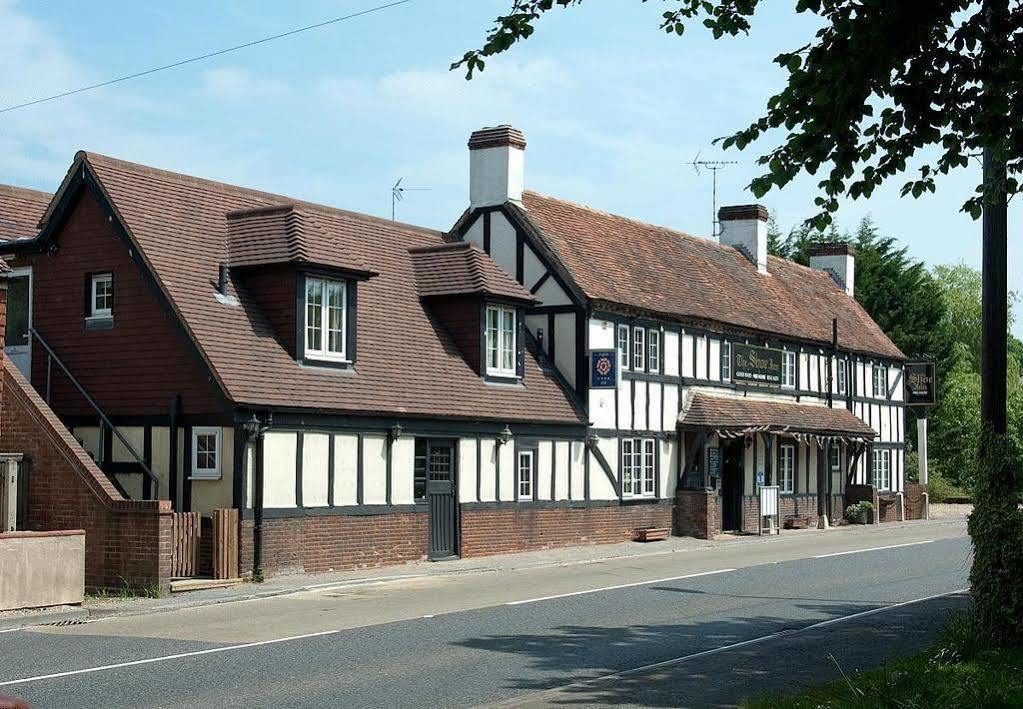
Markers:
(713, 166)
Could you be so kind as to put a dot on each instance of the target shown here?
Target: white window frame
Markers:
(207, 473)
(94, 281)
(835, 464)
(624, 354)
(879, 375)
(653, 351)
(638, 348)
(787, 467)
(882, 470)
(788, 369)
(726, 361)
(324, 352)
(842, 376)
(639, 463)
(501, 345)
(530, 479)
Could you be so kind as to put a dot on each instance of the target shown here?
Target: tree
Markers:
(942, 75)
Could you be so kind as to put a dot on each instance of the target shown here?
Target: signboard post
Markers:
(921, 392)
(603, 369)
(756, 365)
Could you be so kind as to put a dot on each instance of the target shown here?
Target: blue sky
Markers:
(613, 110)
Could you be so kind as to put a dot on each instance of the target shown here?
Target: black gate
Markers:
(440, 494)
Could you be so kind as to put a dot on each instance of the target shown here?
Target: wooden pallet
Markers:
(651, 534)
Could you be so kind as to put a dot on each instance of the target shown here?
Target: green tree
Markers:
(879, 83)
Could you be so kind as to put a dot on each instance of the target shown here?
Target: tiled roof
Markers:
(730, 413)
(624, 262)
(285, 234)
(462, 268)
(20, 212)
(407, 364)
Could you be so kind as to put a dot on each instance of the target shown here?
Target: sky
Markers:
(614, 110)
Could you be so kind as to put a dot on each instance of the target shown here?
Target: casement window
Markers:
(419, 470)
(638, 348)
(623, 345)
(880, 377)
(501, 341)
(101, 295)
(786, 467)
(325, 319)
(788, 370)
(835, 458)
(653, 351)
(206, 453)
(525, 474)
(841, 365)
(726, 361)
(882, 464)
(638, 460)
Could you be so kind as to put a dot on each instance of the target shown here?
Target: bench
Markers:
(650, 534)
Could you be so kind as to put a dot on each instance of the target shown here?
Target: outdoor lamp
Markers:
(504, 436)
(396, 431)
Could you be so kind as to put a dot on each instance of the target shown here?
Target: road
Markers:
(707, 627)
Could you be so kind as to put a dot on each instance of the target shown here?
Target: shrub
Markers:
(940, 488)
(858, 512)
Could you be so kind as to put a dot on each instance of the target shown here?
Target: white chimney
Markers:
(497, 158)
(745, 228)
(837, 259)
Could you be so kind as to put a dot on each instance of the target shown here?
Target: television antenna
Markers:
(398, 194)
(713, 166)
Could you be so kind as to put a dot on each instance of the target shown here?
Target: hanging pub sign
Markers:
(603, 369)
(756, 365)
(921, 384)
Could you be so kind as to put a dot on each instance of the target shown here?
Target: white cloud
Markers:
(236, 84)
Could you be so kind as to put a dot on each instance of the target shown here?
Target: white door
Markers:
(18, 341)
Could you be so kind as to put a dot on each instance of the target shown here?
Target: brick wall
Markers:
(697, 513)
(127, 542)
(325, 542)
(507, 530)
(916, 501)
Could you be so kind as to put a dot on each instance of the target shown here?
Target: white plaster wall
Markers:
(279, 458)
(532, 268)
(346, 469)
(701, 357)
(669, 467)
(543, 471)
(209, 495)
(602, 407)
(250, 474)
(564, 351)
(624, 404)
(601, 334)
(670, 408)
(639, 422)
(600, 487)
(687, 356)
(550, 292)
(507, 453)
(488, 447)
(374, 470)
(804, 371)
(496, 175)
(503, 243)
(535, 323)
(563, 459)
(715, 360)
(475, 232)
(670, 344)
(315, 463)
(467, 470)
(656, 402)
(160, 464)
(136, 437)
(578, 452)
(403, 453)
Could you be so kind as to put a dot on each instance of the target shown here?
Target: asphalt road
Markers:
(705, 628)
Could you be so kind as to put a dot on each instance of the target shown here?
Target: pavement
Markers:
(694, 624)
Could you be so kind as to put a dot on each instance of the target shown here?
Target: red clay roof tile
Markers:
(20, 212)
(735, 414)
(462, 268)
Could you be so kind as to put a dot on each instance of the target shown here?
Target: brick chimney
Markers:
(837, 259)
(745, 228)
(496, 166)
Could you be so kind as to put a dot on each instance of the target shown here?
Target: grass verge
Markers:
(959, 671)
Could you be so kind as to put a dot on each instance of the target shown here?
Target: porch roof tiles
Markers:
(734, 414)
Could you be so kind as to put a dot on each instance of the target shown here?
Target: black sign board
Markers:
(921, 384)
(756, 365)
(713, 462)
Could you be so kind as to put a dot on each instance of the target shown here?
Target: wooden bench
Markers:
(650, 534)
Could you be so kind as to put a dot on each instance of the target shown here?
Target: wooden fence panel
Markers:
(185, 531)
(225, 544)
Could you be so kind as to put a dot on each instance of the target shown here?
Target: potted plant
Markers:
(860, 513)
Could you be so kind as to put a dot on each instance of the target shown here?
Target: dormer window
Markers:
(325, 319)
(501, 345)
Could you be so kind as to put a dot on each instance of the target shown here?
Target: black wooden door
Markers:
(731, 487)
(441, 497)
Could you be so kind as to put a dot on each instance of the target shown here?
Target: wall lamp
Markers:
(396, 431)
(256, 428)
(504, 436)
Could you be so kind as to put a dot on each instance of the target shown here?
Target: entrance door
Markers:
(440, 494)
(731, 487)
(18, 341)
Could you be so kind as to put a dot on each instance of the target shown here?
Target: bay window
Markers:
(325, 319)
(501, 346)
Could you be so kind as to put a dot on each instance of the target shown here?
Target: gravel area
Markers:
(943, 510)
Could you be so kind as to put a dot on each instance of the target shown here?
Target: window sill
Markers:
(337, 364)
(204, 476)
(99, 322)
(507, 380)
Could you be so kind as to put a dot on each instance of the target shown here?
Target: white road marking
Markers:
(614, 588)
(532, 698)
(861, 551)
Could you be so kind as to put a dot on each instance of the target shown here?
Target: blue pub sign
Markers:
(603, 369)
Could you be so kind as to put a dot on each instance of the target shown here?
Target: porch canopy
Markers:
(731, 417)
